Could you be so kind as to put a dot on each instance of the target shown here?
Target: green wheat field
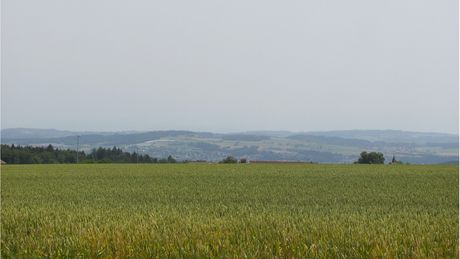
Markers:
(229, 211)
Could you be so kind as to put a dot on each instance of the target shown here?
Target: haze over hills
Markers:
(322, 147)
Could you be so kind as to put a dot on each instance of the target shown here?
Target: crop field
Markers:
(236, 211)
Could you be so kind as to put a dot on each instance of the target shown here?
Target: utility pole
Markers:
(137, 155)
(78, 144)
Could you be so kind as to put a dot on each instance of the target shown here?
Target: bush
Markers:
(229, 160)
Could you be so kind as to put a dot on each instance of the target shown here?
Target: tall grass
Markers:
(242, 211)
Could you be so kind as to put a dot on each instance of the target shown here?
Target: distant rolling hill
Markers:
(323, 147)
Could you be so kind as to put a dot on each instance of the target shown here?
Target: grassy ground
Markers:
(229, 211)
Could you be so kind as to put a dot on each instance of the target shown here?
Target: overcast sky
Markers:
(232, 65)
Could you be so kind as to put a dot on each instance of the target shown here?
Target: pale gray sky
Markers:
(234, 65)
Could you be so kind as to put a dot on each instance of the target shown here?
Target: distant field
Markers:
(253, 211)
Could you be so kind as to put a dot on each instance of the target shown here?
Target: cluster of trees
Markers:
(116, 155)
(51, 155)
(232, 160)
(37, 155)
(371, 158)
(375, 158)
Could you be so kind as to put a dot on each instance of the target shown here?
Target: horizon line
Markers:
(231, 132)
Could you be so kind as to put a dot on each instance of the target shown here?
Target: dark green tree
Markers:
(394, 161)
(370, 158)
(229, 160)
(171, 159)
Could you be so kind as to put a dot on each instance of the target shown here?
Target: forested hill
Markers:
(50, 155)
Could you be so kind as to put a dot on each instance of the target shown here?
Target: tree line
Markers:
(51, 155)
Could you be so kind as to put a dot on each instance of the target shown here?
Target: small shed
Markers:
(2, 162)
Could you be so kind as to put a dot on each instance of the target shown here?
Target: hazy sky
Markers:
(232, 65)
